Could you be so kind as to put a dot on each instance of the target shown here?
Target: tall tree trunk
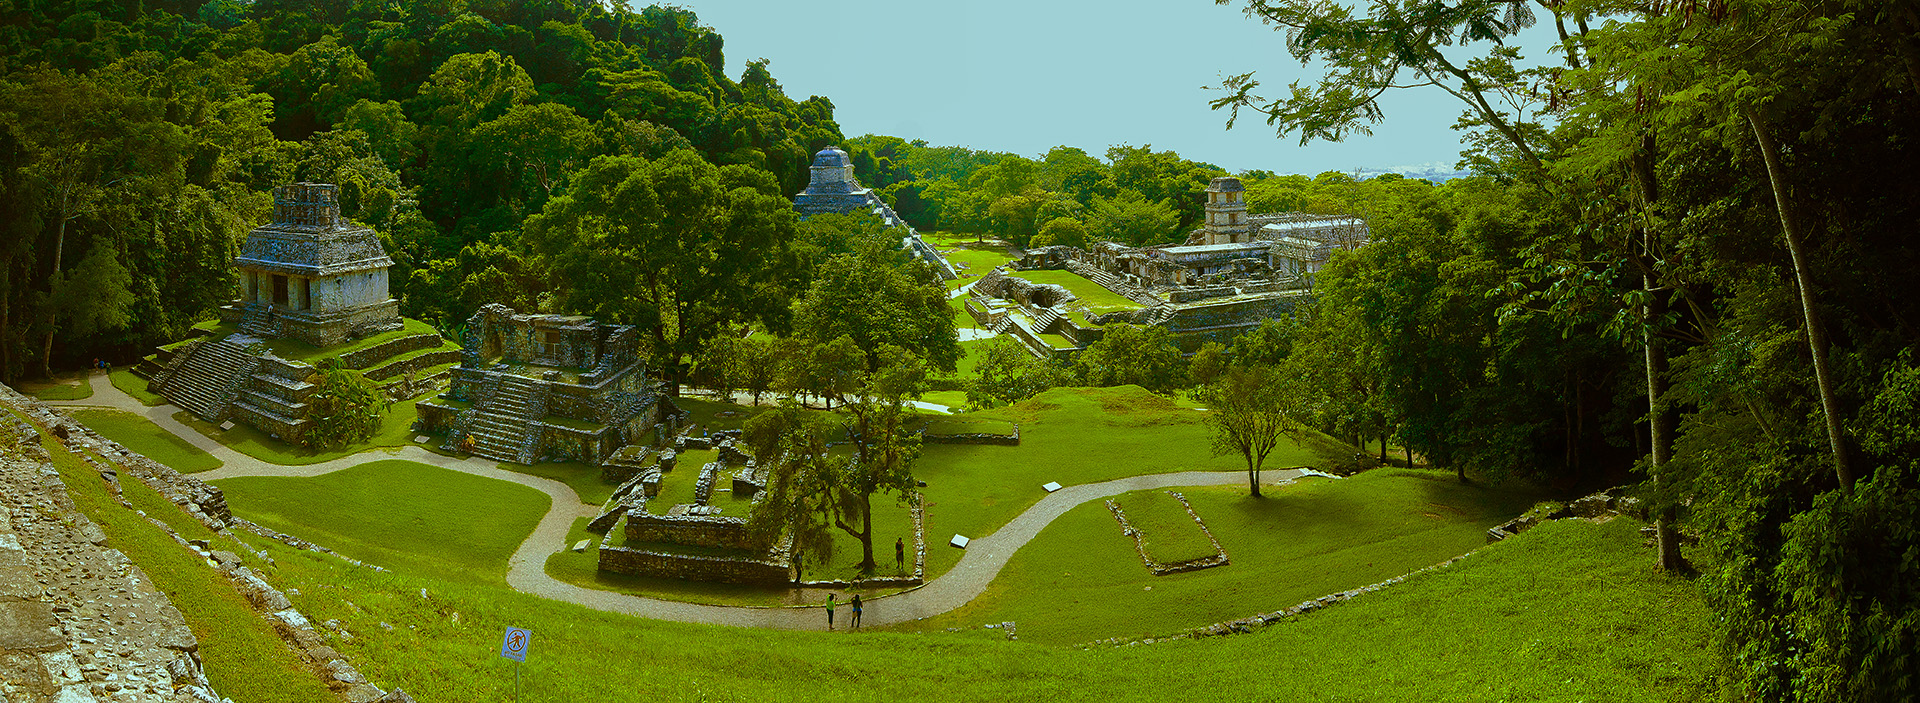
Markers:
(1660, 417)
(866, 533)
(6, 320)
(1253, 476)
(1816, 333)
(59, 249)
(1660, 425)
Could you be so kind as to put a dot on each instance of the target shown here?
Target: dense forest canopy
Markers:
(141, 141)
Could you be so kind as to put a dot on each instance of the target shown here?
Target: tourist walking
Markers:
(899, 553)
(855, 622)
(830, 610)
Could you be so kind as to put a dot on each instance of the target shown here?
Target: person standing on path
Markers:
(829, 611)
(855, 622)
(899, 553)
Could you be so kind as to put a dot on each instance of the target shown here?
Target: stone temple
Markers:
(309, 282)
(310, 276)
(533, 387)
(1228, 276)
(834, 189)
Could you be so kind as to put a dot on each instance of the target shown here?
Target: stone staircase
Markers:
(257, 319)
(502, 424)
(1046, 319)
(209, 379)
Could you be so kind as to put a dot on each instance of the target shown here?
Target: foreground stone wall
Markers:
(107, 634)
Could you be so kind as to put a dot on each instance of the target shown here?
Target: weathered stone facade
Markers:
(547, 386)
(312, 276)
(723, 531)
(770, 571)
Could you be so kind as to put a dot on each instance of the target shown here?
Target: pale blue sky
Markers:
(1026, 75)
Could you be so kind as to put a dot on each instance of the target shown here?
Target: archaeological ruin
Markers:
(695, 541)
(532, 387)
(832, 188)
(1227, 276)
(310, 283)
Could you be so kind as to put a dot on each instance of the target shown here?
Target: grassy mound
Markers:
(1081, 580)
(140, 435)
(399, 514)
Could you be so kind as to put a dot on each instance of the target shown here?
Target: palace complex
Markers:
(1234, 272)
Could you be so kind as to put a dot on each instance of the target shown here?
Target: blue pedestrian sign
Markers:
(514, 644)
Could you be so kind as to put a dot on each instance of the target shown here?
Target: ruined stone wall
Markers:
(386, 350)
(693, 530)
(284, 429)
(975, 438)
(338, 327)
(690, 567)
(415, 364)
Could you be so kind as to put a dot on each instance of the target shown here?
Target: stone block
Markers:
(29, 626)
(959, 541)
(1591, 506)
(1052, 486)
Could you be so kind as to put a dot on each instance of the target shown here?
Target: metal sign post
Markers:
(513, 646)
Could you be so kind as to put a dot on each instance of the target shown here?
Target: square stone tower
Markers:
(1227, 212)
(311, 276)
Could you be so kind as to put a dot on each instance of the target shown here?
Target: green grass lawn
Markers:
(969, 363)
(970, 261)
(1093, 296)
(582, 478)
(952, 399)
(134, 386)
(141, 435)
(1167, 532)
(399, 514)
(395, 431)
(1081, 580)
(970, 424)
(1569, 611)
(1073, 436)
(961, 318)
(242, 656)
(67, 387)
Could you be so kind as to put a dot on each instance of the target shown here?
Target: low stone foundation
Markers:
(701, 530)
(975, 438)
(644, 562)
